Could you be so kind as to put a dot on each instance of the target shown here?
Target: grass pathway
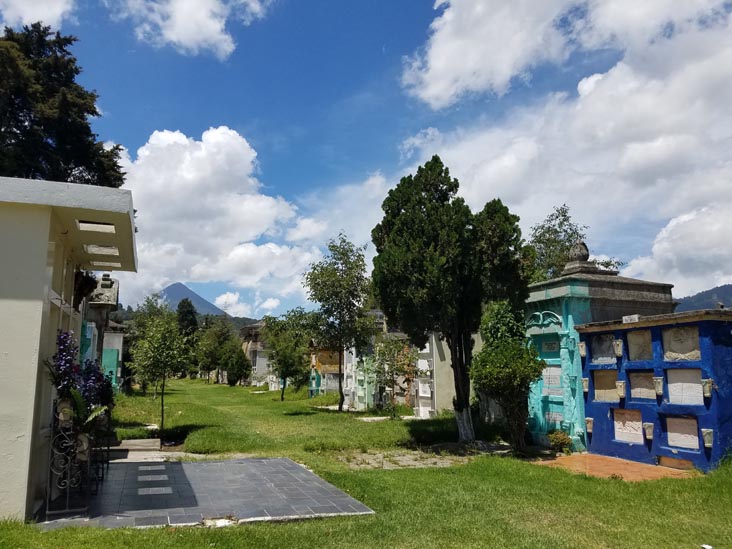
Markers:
(489, 502)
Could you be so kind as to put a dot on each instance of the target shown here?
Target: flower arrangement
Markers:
(63, 366)
(84, 391)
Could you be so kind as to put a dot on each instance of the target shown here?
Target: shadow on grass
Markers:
(443, 430)
(127, 424)
(178, 434)
(299, 413)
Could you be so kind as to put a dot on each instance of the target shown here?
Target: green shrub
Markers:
(560, 441)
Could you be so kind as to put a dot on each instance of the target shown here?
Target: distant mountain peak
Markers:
(177, 292)
(708, 299)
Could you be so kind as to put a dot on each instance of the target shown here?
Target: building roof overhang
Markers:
(99, 221)
(701, 315)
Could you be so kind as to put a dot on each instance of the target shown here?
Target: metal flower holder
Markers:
(69, 464)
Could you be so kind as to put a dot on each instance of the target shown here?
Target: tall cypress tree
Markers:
(45, 130)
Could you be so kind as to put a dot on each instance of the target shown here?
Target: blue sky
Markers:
(255, 130)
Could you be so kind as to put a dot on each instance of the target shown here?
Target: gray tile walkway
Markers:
(173, 493)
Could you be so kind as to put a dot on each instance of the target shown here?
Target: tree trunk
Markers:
(341, 396)
(485, 414)
(282, 394)
(461, 353)
(162, 408)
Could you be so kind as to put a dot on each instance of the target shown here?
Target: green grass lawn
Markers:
(490, 502)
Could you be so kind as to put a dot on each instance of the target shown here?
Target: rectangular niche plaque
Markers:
(685, 386)
(628, 425)
(639, 345)
(605, 388)
(682, 432)
(641, 385)
(603, 351)
(681, 343)
(552, 378)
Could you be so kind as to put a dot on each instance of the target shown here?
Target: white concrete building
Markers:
(48, 232)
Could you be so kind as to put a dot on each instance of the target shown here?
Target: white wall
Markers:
(24, 280)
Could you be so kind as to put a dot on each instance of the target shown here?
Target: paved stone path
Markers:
(149, 493)
(606, 467)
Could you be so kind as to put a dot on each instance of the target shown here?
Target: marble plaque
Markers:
(682, 432)
(423, 365)
(681, 343)
(603, 351)
(685, 386)
(550, 347)
(552, 376)
(628, 425)
(641, 385)
(424, 389)
(639, 345)
(605, 388)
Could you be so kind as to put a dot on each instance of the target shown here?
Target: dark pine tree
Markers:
(45, 131)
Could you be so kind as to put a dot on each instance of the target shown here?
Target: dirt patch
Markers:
(443, 455)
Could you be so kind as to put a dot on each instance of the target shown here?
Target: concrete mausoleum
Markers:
(658, 389)
(582, 293)
(49, 231)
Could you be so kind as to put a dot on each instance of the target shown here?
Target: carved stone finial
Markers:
(579, 252)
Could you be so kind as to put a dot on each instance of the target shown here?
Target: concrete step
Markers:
(138, 445)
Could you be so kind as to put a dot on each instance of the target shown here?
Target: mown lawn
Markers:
(491, 502)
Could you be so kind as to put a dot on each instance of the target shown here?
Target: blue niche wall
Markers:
(659, 391)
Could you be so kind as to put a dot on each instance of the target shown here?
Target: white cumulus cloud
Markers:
(692, 250)
(480, 46)
(190, 26)
(231, 303)
(641, 153)
(202, 217)
(24, 12)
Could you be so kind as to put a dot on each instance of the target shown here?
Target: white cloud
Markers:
(201, 214)
(231, 303)
(692, 250)
(482, 45)
(354, 208)
(306, 228)
(641, 144)
(190, 26)
(269, 304)
(24, 12)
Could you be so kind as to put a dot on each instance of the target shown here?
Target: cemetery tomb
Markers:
(685, 386)
(552, 378)
(681, 343)
(639, 345)
(605, 388)
(603, 351)
(682, 432)
(676, 375)
(582, 293)
(642, 386)
(628, 425)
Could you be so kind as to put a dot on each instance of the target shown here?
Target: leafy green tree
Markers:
(551, 241)
(437, 263)
(340, 286)
(287, 339)
(395, 366)
(45, 131)
(505, 367)
(237, 363)
(211, 347)
(159, 352)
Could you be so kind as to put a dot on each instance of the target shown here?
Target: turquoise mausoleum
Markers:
(583, 293)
